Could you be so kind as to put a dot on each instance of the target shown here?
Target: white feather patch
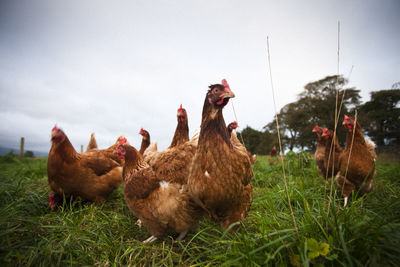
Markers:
(207, 174)
(164, 184)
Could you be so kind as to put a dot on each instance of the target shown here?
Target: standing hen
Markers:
(232, 126)
(182, 129)
(220, 172)
(357, 162)
(172, 164)
(90, 175)
(332, 153)
(158, 204)
(319, 155)
(235, 140)
(145, 140)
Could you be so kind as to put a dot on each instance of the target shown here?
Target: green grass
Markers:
(366, 233)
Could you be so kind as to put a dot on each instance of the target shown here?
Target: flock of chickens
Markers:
(207, 175)
(332, 160)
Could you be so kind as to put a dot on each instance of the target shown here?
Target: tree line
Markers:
(317, 104)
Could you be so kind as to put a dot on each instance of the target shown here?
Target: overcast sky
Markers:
(112, 67)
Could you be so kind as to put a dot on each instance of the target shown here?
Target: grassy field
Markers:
(366, 233)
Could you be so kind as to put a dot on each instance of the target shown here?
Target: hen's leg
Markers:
(182, 235)
(346, 187)
(150, 239)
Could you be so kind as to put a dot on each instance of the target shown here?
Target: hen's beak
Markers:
(227, 93)
(53, 136)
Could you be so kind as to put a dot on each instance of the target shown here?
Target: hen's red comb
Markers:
(180, 108)
(346, 117)
(225, 84)
(54, 128)
(123, 141)
(325, 130)
(236, 124)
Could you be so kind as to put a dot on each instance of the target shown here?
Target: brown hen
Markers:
(159, 205)
(319, 155)
(332, 153)
(357, 162)
(182, 129)
(145, 140)
(91, 175)
(172, 164)
(220, 173)
(236, 142)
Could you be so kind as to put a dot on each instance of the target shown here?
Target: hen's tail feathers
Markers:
(196, 136)
(371, 148)
(150, 149)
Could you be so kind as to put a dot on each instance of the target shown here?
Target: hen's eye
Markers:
(216, 90)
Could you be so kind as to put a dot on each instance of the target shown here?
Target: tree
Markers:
(380, 117)
(258, 142)
(315, 105)
(292, 118)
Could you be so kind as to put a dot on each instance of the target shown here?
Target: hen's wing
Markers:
(97, 162)
(241, 164)
(140, 183)
(172, 165)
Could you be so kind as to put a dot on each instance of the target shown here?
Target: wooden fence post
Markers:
(81, 148)
(21, 148)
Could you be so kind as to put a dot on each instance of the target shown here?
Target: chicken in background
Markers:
(109, 152)
(91, 175)
(319, 155)
(92, 143)
(357, 162)
(172, 164)
(236, 142)
(273, 152)
(182, 129)
(332, 153)
(145, 140)
(273, 159)
(159, 205)
(220, 172)
(232, 126)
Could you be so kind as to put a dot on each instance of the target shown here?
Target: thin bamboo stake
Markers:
(279, 139)
(337, 114)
